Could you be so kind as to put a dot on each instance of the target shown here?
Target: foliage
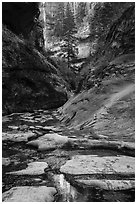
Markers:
(55, 19)
(115, 34)
(59, 20)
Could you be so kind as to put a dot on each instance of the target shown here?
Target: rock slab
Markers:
(34, 168)
(17, 137)
(90, 164)
(88, 170)
(107, 184)
(29, 194)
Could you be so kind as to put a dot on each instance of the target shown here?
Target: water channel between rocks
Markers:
(19, 154)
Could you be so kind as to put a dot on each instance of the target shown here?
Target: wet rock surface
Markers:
(46, 161)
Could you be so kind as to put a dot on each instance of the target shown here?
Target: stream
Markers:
(19, 154)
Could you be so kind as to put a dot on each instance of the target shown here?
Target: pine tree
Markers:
(69, 45)
(81, 12)
(59, 20)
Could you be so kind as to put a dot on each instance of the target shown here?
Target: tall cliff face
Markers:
(106, 106)
(29, 80)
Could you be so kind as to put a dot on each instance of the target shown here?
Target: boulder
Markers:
(49, 141)
(29, 194)
(34, 168)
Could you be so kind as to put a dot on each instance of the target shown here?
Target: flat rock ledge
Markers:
(90, 164)
(17, 137)
(29, 194)
(102, 143)
(107, 184)
(107, 172)
(34, 168)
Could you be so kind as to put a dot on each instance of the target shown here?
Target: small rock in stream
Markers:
(6, 161)
(13, 127)
(72, 136)
(34, 168)
(29, 194)
(23, 127)
(31, 127)
(39, 127)
(37, 179)
(51, 128)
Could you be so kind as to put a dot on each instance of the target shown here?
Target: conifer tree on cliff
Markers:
(69, 45)
(59, 20)
(81, 12)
